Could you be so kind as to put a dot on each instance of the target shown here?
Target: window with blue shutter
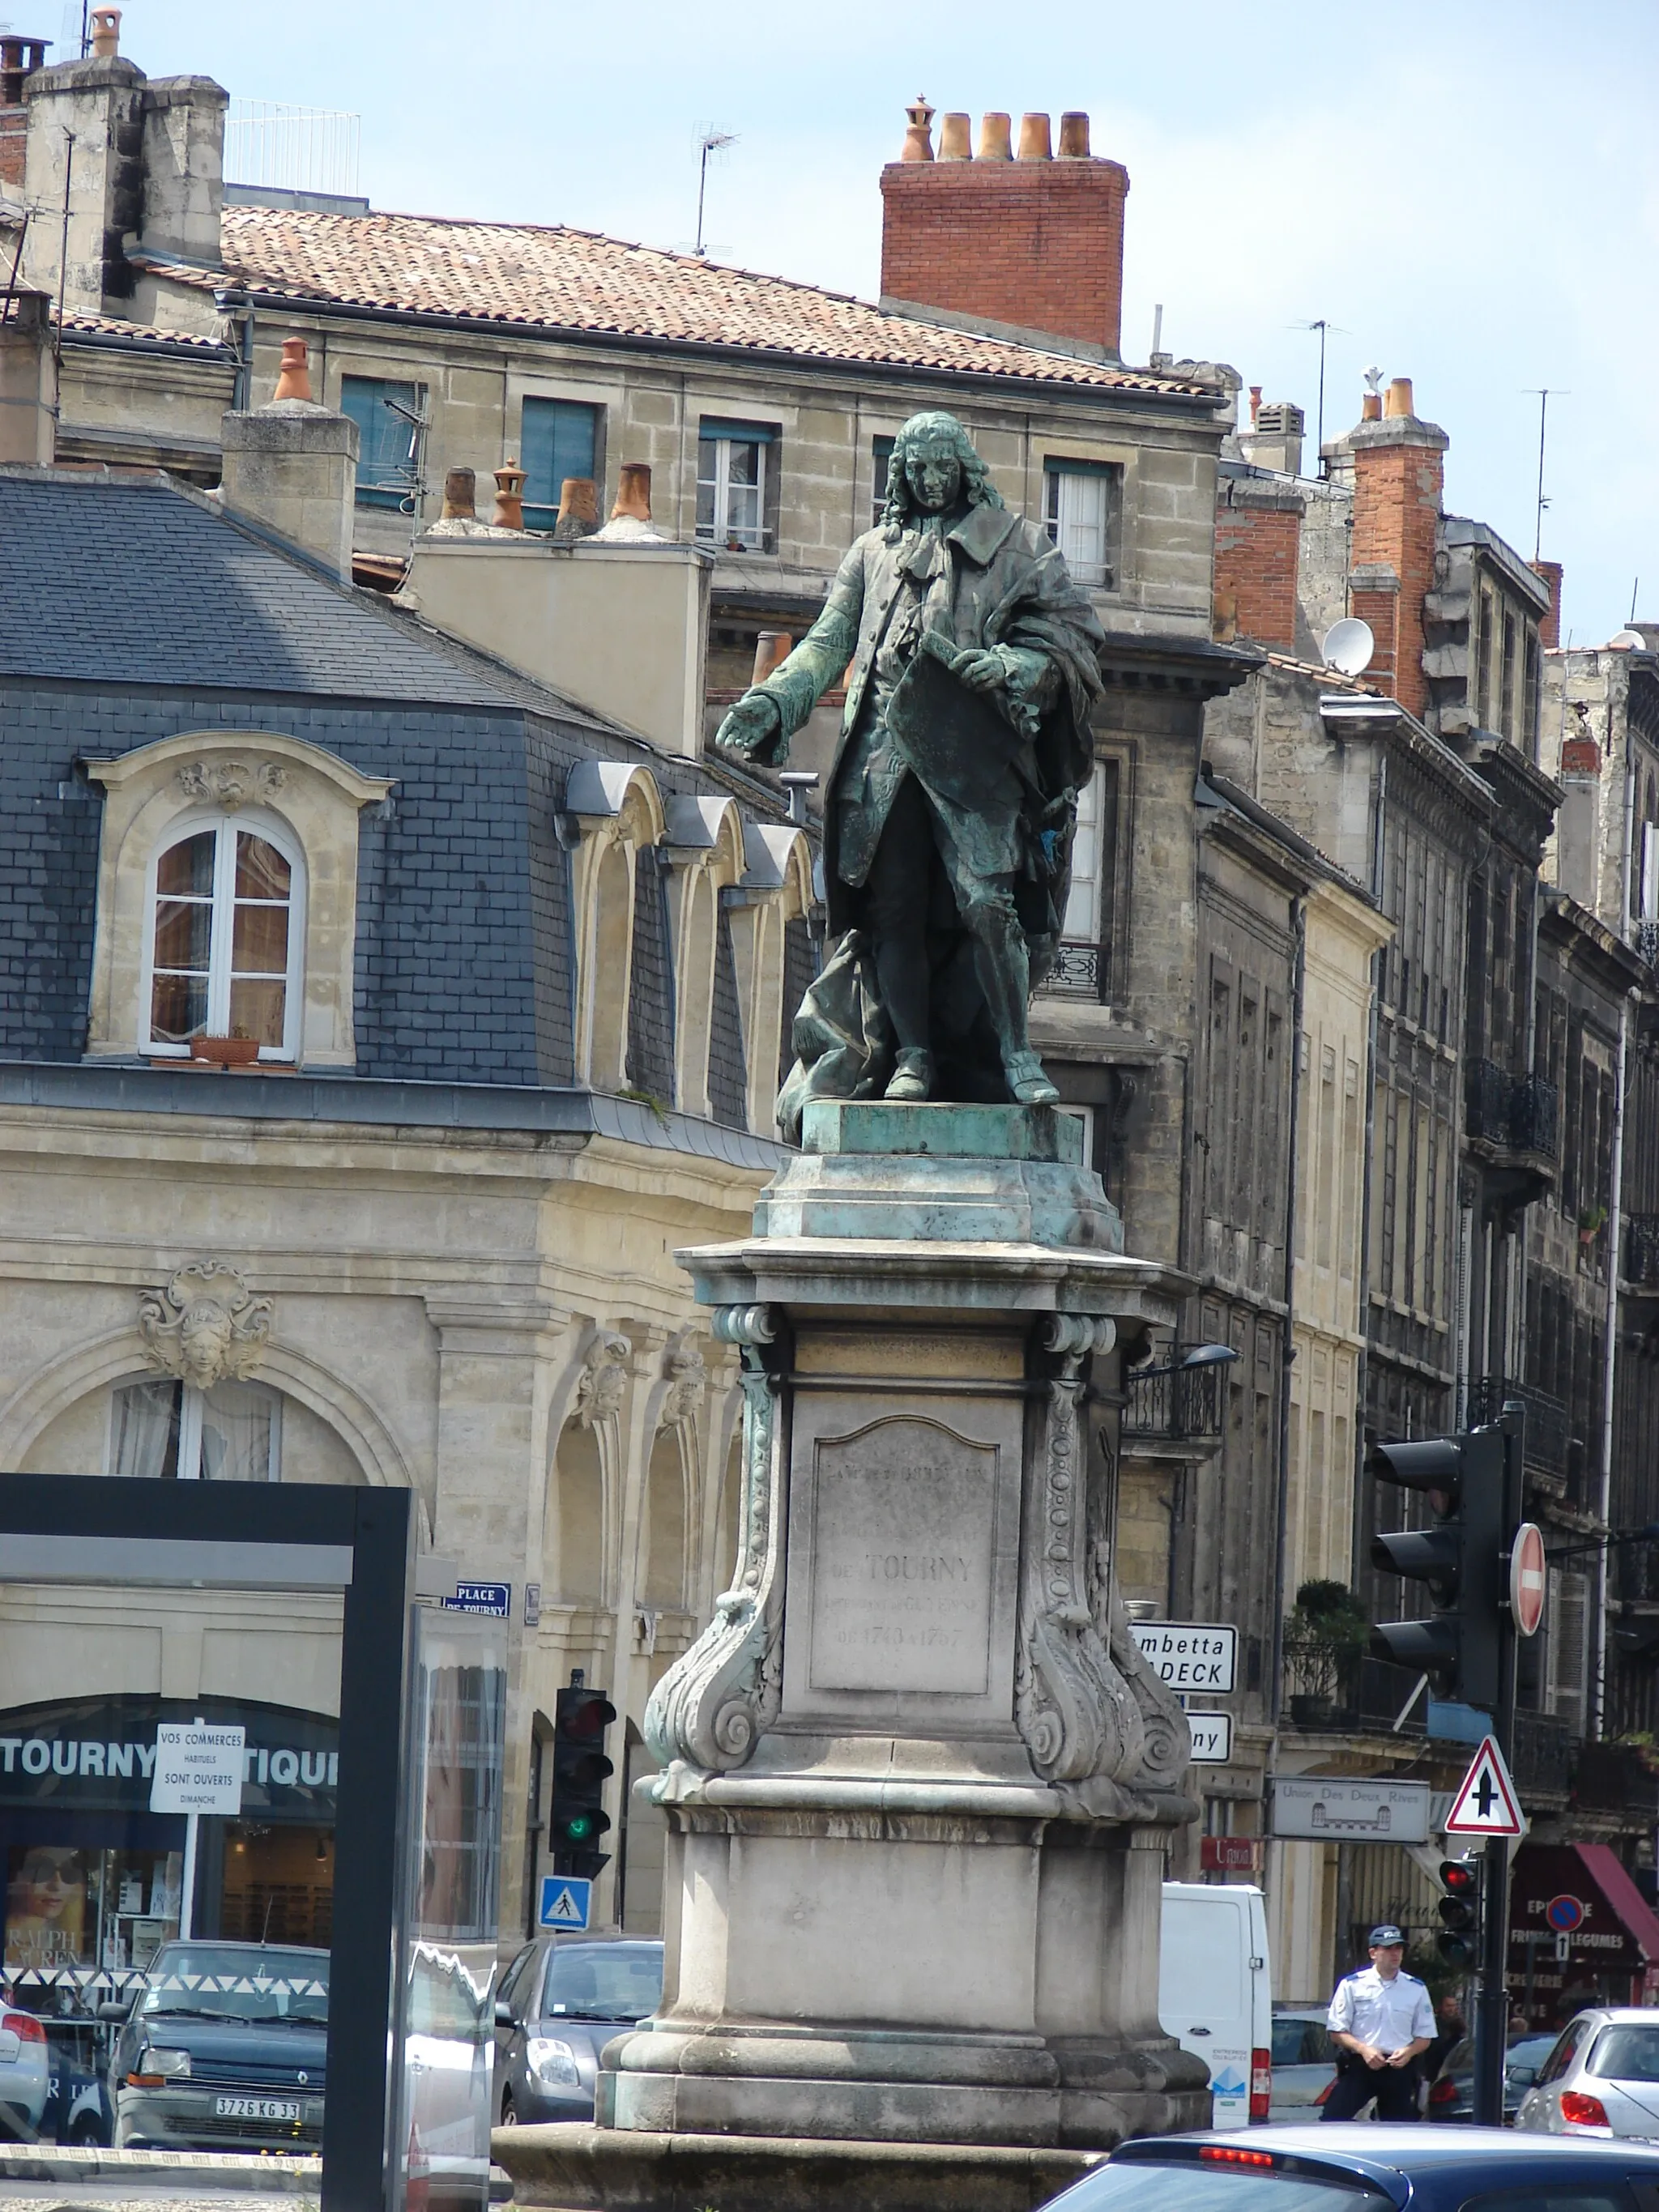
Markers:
(560, 438)
(389, 419)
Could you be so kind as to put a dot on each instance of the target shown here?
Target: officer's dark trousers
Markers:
(1394, 2089)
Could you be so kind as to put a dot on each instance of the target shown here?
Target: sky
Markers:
(1466, 192)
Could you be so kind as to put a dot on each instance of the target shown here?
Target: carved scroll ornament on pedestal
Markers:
(717, 1699)
(1083, 1707)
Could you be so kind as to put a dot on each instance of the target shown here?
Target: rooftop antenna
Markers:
(1324, 327)
(1544, 393)
(709, 141)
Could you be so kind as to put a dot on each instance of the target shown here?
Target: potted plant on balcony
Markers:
(1326, 1633)
(1591, 1222)
(239, 1049)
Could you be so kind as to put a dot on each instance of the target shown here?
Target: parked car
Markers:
(1305, 2062)
(1215, 1991)
(1451, 2094)
(1350, 2166)
(77, 2109)
(24, 2075)
(225, 2048)
(562, 2000)
(1600, 2079)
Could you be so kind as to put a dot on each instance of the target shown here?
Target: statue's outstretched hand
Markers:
(754, 725)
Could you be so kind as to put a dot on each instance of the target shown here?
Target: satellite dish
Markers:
(1347, 645)
(1628, 640)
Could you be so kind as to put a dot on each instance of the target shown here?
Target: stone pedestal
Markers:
(918, 1781)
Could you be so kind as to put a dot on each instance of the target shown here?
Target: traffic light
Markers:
(1460, 1910)
(1459, 1556)
(580, 1770)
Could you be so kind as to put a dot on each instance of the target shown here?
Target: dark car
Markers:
(1451, 2094)
(224, 2050)
(1348, 2166)
(562, 2000)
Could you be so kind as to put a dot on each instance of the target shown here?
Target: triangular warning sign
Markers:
(1486, 1803)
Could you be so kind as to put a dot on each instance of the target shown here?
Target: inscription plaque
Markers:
(904, 1522)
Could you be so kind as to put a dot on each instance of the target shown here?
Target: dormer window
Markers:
(225, 938)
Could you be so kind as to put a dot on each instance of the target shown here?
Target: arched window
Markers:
(664, 1580)
(226, 927)
(163, 1428)
(577, 1548)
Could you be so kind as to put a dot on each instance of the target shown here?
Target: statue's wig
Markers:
(934, 426)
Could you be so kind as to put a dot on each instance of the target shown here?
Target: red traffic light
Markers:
(1459, 1877)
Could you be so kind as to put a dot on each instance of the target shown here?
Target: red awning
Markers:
(1624, 1899)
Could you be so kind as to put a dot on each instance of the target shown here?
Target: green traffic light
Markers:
(579, 1827)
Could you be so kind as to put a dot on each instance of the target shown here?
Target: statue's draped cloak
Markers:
(1007, 587)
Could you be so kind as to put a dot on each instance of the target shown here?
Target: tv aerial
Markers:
(1347, 645)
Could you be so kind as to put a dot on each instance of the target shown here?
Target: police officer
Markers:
(1382, 2021)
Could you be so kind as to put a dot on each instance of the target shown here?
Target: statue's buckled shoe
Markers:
(913, 1078)
(1026, 1080)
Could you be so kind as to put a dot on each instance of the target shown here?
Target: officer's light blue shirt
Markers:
(1386, 2015)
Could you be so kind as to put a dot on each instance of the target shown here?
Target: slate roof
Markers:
(553, 278)
(129, 579)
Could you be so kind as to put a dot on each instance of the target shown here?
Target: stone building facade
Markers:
(425, 1237)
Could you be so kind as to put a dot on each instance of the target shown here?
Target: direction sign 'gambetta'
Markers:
(1189, 1655)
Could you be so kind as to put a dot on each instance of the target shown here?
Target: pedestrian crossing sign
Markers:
(565, 1902)
(1486, 1803)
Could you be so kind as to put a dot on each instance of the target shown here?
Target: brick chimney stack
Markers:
(19, 60)
(1549, 572)
(1032, 244)
(1398, 473)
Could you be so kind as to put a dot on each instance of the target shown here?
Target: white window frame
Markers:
(1062, 493)
(190, 1426)
(1086, 842)
(259, 824)
(1647, 908)
(720, 531)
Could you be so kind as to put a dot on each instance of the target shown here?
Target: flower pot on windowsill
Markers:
(226, 1051)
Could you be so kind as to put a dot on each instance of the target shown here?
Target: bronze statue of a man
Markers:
(950, 806)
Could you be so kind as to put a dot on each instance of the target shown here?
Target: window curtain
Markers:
(236, 1433)
(147, 1429)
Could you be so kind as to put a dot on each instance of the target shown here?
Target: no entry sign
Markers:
(1526, 1581)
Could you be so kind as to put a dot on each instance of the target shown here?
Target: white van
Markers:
(1215, 1991)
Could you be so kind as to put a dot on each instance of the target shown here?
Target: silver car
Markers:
(1601, 2078)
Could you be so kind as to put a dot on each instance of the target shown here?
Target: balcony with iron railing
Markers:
(1181, 1398)
(1511, 1113)
(1075, 973)
(1547, 1442)
(1642, 1251)
(1333, 1687)
(1544, 1749)
(1616, 1778)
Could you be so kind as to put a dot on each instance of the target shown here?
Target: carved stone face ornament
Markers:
(604, 1382)
(206, 1326)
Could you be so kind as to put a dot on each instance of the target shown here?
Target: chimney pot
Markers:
(1074, 135)
(633, 492)
(956, 137)
(1034, 144)
(772, 648)
(918, 144)
(994, 140)
(106, 33)
(1370, 407)
(1398, 399)
(294, 379)
(1255, 406)
(509, 496)
(579, 508)
(460, 496)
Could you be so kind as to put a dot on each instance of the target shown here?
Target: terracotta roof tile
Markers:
(113, 326)
(556, 278)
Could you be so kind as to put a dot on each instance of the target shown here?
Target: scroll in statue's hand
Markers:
(754, 727)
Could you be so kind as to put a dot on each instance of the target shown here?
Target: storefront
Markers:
(92, 1875)
(1581, 1934)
